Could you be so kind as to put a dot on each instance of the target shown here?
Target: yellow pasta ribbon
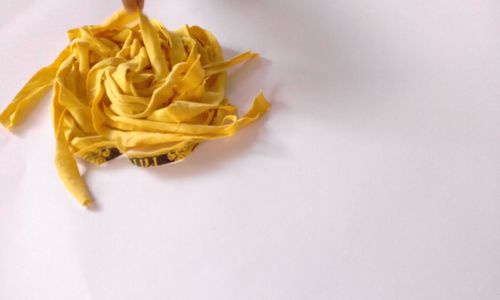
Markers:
(132, 87)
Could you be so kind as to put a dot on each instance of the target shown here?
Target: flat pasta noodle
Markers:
(132, 87)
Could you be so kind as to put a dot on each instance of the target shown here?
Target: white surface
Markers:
(375, 175)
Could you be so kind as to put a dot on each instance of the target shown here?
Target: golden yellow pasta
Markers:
(132, 87)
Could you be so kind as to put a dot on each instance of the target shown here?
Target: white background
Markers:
(376, 175)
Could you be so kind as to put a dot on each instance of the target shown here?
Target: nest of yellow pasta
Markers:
(132, 87)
